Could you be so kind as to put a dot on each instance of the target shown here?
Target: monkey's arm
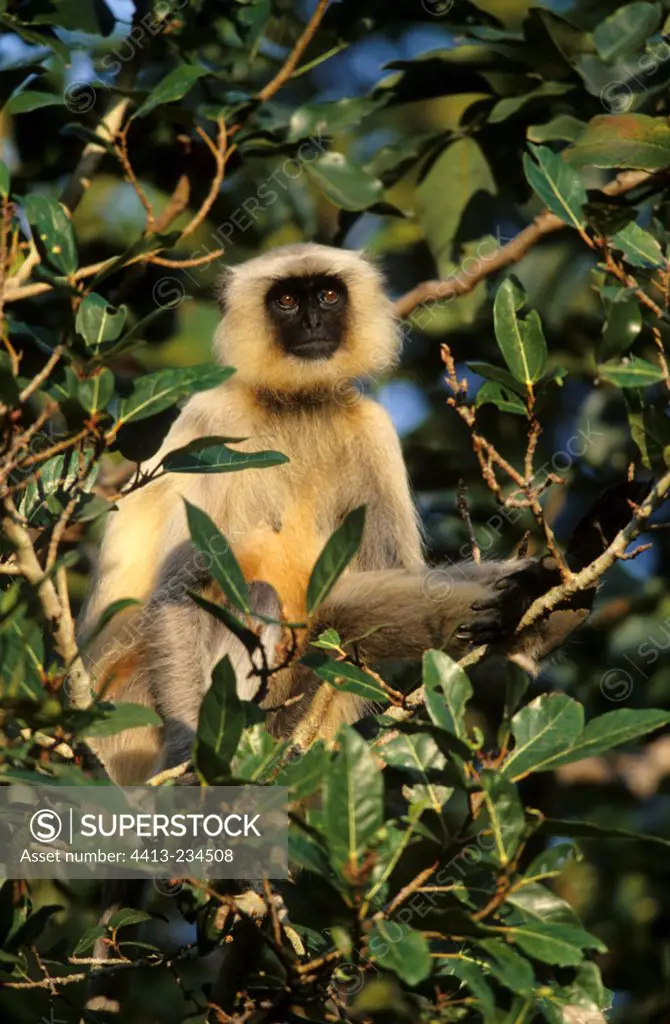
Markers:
(405, 613)
(392, 537)
(467, 603)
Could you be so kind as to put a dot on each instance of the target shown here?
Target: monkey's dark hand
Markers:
(496, 617)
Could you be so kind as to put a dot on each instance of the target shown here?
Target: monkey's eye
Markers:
(328, 297)
(287, 301)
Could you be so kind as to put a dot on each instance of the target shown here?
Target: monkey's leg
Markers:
(184, 645)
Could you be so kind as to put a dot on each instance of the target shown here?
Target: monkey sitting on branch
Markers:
(299, 325)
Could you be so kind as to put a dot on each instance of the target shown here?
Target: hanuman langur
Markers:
(299, 324)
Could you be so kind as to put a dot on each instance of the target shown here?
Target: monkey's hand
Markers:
(517, 585)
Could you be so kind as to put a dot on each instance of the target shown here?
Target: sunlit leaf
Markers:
(98, 321)
(220, 724)
(398, 948)
(52, 231)
(623, 140)
(345, 677)
(631, 373)
(521, 342)
(542, 729)
(157, 391)
(222, 563)
(496, 394)
(335, 557)
(557, 184)
(212, 455)
(353, 807)
(173, 87)
(625, 30)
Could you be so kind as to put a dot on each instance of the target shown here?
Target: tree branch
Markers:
(56, 614)
(589, 576)
(546, 223)
(93, 153)
(290, 65)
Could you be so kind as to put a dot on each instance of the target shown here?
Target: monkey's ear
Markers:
(222, 286)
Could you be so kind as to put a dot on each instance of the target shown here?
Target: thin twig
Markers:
(219, 154)
(289, 66)
(40, 377)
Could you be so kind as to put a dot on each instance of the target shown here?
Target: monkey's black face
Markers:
(309, 314)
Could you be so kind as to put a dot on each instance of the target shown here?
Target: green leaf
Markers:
(558, 944)
(551, 862)
(173, 87)
(611, 730)
(220, 724)
(120, 717)
(400, 949)
(556, 184)
(391, 162)
(307, 854)
(587, 991)
(96, 391)
(345, 677)
(420, 759)
(212, 455)
(27, 100)
(624, 31)
(329, 640)
(534, 902)
(448, 691)
(50, 493)
(517, 682)
(22, 658)
(564, 128)
(511, 105)
(639, 248)
(460, 173)
(306, 775)
(127, 916)
(97, 321)
(471, 975)
(317, 119)
(339, 550)
(497, 374)
(5, 180)
(89, 939)
(502, 816)
(623, 140)
(650, 430)
(222, 562)
(593, 830)
(498, 395)
(158, 391)
(633, 372)
(94, 17)
(521, 342)
(52, 232)
(543, 729)
(511, 970)
(112, 609)
(36, 38)
(624, 323)
(347, 186)
(353, 808)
